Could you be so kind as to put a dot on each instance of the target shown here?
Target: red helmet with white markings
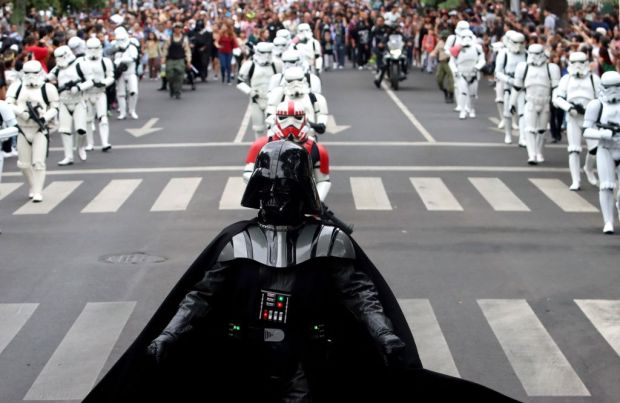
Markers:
(291, 121)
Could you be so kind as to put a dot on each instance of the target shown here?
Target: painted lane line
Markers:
(340, 168)
(8, 188)
(435, 194)
(113, 196)
(73, 369)
(567, 200)
(605, 316)
(231, 197)
(177, 194)
(408, 114)
(538, 362)
(244, 125)
(53, 195)
(430, 341)
(369, 194)
(498, 195)
(12, 318)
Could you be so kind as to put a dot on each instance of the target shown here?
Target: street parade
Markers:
(309, 201)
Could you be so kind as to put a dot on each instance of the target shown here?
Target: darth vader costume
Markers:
(282, 308)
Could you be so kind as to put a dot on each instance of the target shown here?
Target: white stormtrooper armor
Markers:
(285, 34)
(297, 89)
(292, 58)
(8, 129)
(32, 142)
(467, 65)
(602, 123)
(77, 45)
(254, 78)
(538, 78)
(505, 67)
(574, 92)
(72, 112)
(496, 48)
(310, 48)
(125, 57)
(451, 41)
(280, 45)
(99, 72)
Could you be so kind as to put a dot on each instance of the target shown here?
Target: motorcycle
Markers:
(395, 61)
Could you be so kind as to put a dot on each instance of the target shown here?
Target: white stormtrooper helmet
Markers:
(610, 87)
(94, 51)
(122, 37)
(536, 55)
(578, 65)
(284, 33)
(461, 26)
(304, 32)
(77, 45)
(514, 41)
(64, 56)
(33, 74)
(296, 86)
(279, 45)
(291, 58)
(262, 53)
(466, 38)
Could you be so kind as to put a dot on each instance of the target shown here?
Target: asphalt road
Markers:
(505, 276)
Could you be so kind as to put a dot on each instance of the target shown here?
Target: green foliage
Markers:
(609, 7)
(65, 6)
(449, 4)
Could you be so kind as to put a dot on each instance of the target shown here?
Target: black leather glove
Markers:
(318, 127)
(255, 98)
(580, 109)
(393, 350)
(159, 349)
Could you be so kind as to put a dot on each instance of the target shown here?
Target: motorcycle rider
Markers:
(35, 104)
(125, 59)
(538, 78)
(574, 92)
(379, 37)
(467, 63)
(506, 63)
(253, 80)
(292, 124)
(602, 124)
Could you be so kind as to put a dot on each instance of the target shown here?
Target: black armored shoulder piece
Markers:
(333, 242)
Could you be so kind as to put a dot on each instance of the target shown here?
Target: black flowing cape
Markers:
(133, 378)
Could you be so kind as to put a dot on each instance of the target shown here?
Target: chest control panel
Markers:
(274, 306)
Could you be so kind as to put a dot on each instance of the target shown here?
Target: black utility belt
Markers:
(259, 334)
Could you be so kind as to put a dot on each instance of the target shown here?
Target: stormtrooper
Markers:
(602, 124)
(77, 45)
(280, 45)
(35, 104)
(309, 48)
(292, 58)
(99, 72)
(8, 129)
(451, 42)
(296, 88)
(506, 63)
(467, 65)
(285, 34)
(496, 48)
(125, 58)
(253, 80)
(538, 78)
(574, 92)
(72, 113)
(292, 124)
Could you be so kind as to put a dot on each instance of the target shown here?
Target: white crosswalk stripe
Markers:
(558, 192)
(177, 194)
(12, 318)
(538, 362)
(8, 188)
(112, 197)
(53, 195)
(75, 365)
(435, 194)
(369, 194)
(231, 197)
(498, 195)
(430, 341)
(605, 316)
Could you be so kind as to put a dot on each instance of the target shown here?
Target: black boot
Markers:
(164, 85)
(445, 96)
(450, 97)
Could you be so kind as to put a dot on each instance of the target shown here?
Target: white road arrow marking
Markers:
(146, 129)
(332, 126)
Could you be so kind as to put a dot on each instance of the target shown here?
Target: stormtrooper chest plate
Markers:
(307, 50)
(261, 78)
(512, 59)
(611, 113)
(537, 77)
(579, 89)
(466, 60)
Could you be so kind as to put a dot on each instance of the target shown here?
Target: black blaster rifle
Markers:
(579, 108)
(34, 115)
(329, 217)
(68, 86)
(614, 127)
(119, 70)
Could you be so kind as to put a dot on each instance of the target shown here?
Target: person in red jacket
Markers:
(226, 42)
(292, 124)
(40, 52)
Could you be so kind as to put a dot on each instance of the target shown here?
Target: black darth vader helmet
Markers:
(281, 184)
